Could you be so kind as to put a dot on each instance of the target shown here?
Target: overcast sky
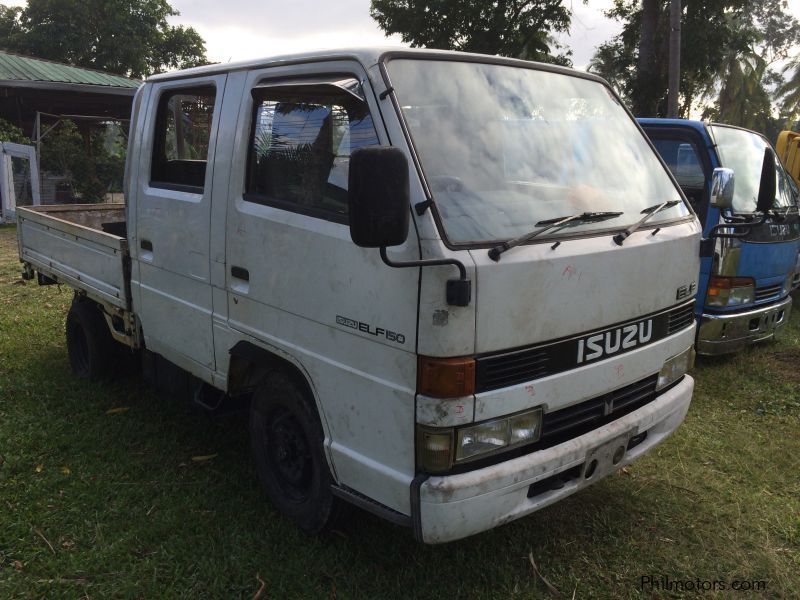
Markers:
(240, 29)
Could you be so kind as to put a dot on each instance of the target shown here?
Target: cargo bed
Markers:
(81, 245)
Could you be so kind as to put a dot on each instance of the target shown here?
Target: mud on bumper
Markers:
(456, 506)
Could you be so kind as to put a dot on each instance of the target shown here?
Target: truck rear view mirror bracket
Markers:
(379, 199)
(734, 229)
(459, 291)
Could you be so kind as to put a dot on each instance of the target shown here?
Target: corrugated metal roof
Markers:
(22, 68)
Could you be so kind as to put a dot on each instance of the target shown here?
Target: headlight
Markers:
(483, 438)
(730, 291)
(674, 368)
(440, 449)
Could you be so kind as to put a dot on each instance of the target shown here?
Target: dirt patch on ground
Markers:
(786, 364)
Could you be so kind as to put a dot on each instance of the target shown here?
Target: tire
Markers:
(287, 441)
(89, 342)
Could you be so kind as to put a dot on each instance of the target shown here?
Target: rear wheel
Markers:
(89, 342)
(287, 442)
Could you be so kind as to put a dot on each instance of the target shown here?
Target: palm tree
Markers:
(789, 92)
(741, 96)
(608, 63)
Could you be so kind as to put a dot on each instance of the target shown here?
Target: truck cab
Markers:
(788, 149)
(749, 255)
(441, 307)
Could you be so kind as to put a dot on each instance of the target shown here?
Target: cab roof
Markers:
(367, 56)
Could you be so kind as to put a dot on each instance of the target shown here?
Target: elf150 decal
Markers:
(392, 336)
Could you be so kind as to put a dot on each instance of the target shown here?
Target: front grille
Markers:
(570, 422)
(509, 369)
(768, 291)
(680, 317)
(496, 371)
(562, 425)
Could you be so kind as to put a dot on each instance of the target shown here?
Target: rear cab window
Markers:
(182, 135)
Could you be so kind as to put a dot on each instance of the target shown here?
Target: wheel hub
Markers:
(289, 455)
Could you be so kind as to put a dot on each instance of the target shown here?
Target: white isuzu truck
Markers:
(455, 288)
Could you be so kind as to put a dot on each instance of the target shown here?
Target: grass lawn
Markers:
(97, 502)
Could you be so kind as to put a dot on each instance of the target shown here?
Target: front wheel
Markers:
(287, 442)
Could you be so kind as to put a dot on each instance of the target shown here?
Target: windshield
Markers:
(743, 151)
(506, 147)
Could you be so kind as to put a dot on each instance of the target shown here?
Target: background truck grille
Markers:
(496, 371)
(576, 420)
(767, 292)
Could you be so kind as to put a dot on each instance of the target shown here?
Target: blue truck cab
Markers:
(747, 205)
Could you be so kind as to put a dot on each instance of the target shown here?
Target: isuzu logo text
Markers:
(614, 341)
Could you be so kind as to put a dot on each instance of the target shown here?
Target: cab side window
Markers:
(183, 131)
(685, 163)
(785, 190)
(300, 145)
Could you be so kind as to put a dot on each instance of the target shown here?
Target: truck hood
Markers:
(539, 293)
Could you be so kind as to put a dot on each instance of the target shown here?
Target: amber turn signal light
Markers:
(717, 284)
(446, 377)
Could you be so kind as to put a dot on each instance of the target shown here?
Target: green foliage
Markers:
(728, 48)
(9, 23)
(515, 28)
(743, 99)
(790, 92)
(128, 37)
(93, 160)
(11, 133)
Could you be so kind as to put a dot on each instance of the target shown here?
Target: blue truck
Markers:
(747, 204)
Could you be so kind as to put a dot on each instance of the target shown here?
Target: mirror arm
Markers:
(421, 207)
(732, 220)
(740, 230)
(459, 291)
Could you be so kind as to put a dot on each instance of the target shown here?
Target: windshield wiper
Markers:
(547, 225)
(650, 210)
(781, 216)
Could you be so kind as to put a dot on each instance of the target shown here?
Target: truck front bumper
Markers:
(456, 506)
(721, 334)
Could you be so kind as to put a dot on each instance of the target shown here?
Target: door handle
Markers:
(146, 245)
(240, 273)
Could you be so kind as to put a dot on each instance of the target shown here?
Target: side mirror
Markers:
(380, 210)
(768, 188)
(378, 197)
(722, 188)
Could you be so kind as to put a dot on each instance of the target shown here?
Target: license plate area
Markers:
(607, 458)
(602, 455)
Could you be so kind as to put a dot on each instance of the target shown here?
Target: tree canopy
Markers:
(127, 37)
(730, 54)
(514, 28)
